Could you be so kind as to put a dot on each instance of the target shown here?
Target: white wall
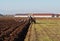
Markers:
(41, 16)
(32, 16)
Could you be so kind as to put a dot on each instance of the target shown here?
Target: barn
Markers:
(42, 15)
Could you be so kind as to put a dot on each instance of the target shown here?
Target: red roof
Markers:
(42, 14)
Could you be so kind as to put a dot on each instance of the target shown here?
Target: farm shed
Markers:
(21, 15)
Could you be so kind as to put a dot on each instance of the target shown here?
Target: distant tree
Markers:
(53, 15)
(57, 15)
(32, 19)
(1, 15)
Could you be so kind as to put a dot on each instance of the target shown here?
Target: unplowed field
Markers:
(45, 29)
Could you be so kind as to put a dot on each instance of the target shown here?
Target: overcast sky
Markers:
(24, 6)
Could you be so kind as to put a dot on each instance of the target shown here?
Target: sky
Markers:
(29, 6)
